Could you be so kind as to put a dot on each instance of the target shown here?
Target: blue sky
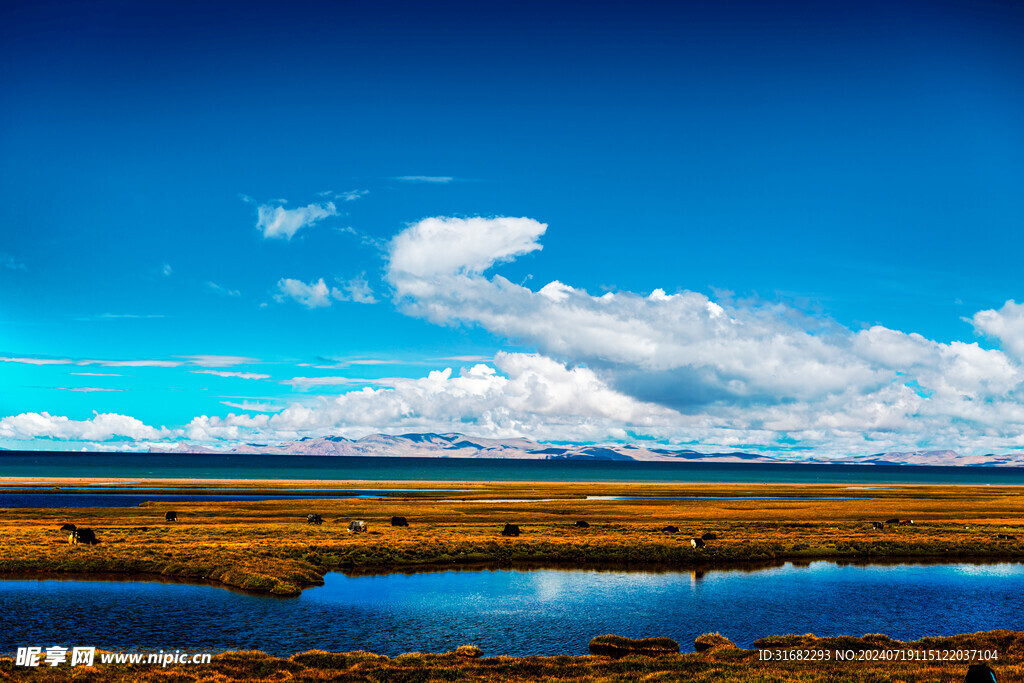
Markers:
(840, 180)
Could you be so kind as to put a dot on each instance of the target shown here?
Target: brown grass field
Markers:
(268, 547)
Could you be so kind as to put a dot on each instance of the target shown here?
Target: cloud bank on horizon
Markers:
(674, 367)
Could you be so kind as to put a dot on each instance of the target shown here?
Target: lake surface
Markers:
(513, 612)
(338, 468)
(127, 500)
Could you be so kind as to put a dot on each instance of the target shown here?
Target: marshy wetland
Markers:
(777, 544)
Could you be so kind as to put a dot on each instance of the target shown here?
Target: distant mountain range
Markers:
(461, 446)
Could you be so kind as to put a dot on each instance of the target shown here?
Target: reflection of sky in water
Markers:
(518, 612)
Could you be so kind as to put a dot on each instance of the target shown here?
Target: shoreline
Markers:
(802, 658)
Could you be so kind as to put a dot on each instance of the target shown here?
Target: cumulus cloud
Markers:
(446, 247)
(740, 372)
(1006, 326)
(319, 295)
(277, 222)
(313, 295)
(522, 394)
(100, 427)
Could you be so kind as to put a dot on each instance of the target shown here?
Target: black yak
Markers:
(87, 536)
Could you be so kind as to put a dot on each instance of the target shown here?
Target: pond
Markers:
(516, 612)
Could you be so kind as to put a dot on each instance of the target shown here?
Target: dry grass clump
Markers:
(471, 651)
(619, 646)
(709, 641)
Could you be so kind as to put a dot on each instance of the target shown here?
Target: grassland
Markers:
(268, 547)
(720, 665)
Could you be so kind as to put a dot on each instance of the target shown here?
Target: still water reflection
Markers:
(515, 612)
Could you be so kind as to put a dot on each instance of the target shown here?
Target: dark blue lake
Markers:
(513, 612)
(28, 464)
(127, 500)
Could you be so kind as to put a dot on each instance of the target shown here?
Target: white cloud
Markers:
(205, 360)
(131, 363)
(239, 375)
(523, 394)
(313, 295)
(740, 372)
(442, 179)
(1005, 326)
(167, 270)
(444, 246)
(86, 390)
(279, 222)
(218, 361)
(223, 291)
(357, 289)
(306, 382)
(347, 196)
(319, 295)
(101, 427)
(254, 406)
(36, 361)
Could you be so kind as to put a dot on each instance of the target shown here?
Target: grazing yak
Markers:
(68, 527)
(907, 522)
(1006, 537)
(314, 519)
(697, 543)
(399, 521)
(171, 516)
(87, 536)
(877, 525)
(671, 529)
(510, 530)
(356, 527)
(980, 673)
(892, 521)
(709, 537)
(581, 525)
